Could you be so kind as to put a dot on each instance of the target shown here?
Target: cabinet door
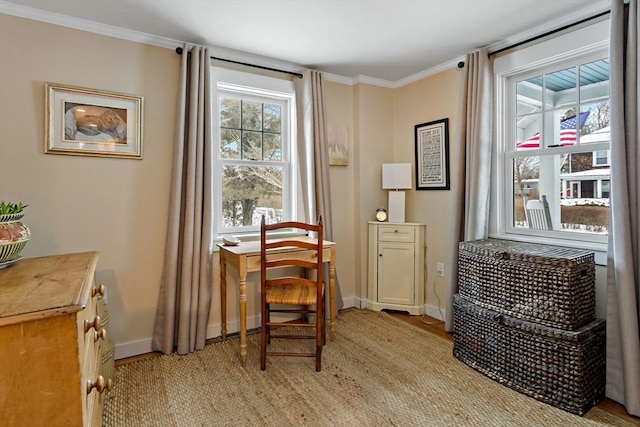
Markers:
(396, 273)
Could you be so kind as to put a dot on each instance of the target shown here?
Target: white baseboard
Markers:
(136, 348)
(143, 346)
(434, 311)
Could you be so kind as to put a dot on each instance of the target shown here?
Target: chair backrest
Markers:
(537, 213)
(275, 254)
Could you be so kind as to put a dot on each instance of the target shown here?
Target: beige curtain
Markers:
(473, 168)
(623, 266)
(186, 288)
(314, 158)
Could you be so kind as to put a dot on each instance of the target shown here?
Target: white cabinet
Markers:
(396, 266)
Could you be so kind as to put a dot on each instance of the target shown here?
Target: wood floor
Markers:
(435, 327)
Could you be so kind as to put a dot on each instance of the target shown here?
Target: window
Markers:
(601, 158)
(554, 140)
(254, 171)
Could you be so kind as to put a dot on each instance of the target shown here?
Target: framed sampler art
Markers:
(432, 155)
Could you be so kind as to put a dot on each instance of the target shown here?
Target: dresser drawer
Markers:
(47, 353)
(90, 329)
(396, 233)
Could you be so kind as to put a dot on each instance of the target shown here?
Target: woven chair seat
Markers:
(301, 295)
(291, 294)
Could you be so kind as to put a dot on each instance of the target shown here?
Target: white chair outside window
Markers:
(537, 213)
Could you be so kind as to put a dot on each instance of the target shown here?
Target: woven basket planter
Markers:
(565, 369)
(550, 285)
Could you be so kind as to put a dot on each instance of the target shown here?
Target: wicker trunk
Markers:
(563, 368)
(545, 284)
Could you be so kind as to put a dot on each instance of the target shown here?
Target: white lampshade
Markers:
(396, 176)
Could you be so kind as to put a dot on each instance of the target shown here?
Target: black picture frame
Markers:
(432, 155)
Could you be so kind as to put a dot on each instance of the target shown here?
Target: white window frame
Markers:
(582, 45)
(262, 89)
(606, 157)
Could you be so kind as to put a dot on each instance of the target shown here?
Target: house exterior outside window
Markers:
(254, 152)
(552, 103)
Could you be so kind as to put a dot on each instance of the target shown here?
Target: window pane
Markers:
(528, 132)
(529, 95)
(251, 115)
(252, 145)
(606, 188)
(229, 144)
(594, 80)
(560, 88)
(248, 192)
(272, 118)
(601, 158)
(526, 177)
(577, 192)
(229, 113)
(272, 146)
(567, 128)
(596, 126)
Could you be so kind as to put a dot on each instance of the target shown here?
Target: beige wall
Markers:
(339, 109)
(373, 117)
(433, 98)
(117, 207)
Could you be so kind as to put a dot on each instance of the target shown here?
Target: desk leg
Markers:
(223, 299)
(332, 298)
(243, 319)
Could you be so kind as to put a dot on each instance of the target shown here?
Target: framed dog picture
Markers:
(92, 122)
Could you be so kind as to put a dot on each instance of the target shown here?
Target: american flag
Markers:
(568, 133)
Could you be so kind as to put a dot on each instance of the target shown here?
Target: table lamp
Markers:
(396, 176)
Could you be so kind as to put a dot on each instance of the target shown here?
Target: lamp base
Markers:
(396, 206)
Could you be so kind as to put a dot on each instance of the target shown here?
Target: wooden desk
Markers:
(245, 258)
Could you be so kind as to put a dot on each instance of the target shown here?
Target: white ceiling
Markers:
(386, 40)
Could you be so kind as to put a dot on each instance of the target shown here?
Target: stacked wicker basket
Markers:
(525, 317)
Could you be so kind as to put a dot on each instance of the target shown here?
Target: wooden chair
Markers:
(305, 293)
(537, 213)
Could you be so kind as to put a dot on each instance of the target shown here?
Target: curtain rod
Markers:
(179, 52)
(548, 33)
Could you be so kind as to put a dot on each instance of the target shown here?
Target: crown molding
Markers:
(150, 39)
(86, 25)
(559, 22)
(453, 63)
(336, 78)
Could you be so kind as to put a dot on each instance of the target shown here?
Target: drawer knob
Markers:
(395, 230)
(99, 384)
(98, 291)
(100, 335)
(95, 324)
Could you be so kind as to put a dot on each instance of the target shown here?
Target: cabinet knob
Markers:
(99, 290)
(395, 230)
(95, 324)
(102, 334)
(99, 384)
(379, 254)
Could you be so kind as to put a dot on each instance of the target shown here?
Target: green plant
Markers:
(11, 208)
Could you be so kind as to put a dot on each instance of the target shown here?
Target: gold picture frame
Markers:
(91, 122)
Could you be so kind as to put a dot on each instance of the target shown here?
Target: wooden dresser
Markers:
(50, 342)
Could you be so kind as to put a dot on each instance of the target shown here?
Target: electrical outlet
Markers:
(440, 269)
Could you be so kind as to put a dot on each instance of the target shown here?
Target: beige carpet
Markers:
(379, 372)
